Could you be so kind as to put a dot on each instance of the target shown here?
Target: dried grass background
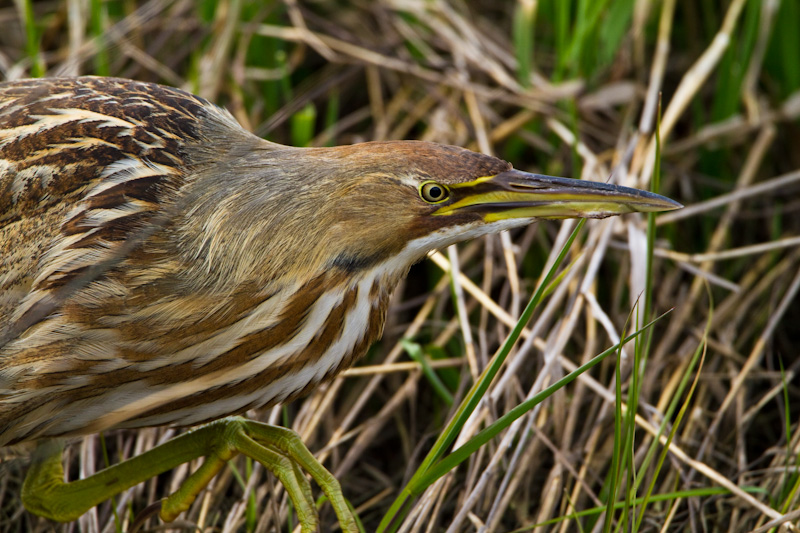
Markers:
(564, 87)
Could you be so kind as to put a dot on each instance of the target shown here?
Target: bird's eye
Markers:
(432, 192)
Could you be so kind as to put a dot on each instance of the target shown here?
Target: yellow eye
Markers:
(433, 193)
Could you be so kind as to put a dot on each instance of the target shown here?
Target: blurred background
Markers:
(563, 87)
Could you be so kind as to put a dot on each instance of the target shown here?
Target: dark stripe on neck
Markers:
(353, 264)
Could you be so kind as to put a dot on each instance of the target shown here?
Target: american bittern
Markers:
(161, 265)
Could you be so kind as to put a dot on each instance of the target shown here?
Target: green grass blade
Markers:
(463, 452)
(303, 124)
(98, 21)
(31, 38)
(617, 453)
(562, 32)
(416, 353)
(697, 359)
(667, 497)
(523, 32)
(475, 394)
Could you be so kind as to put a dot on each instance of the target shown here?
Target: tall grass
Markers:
(693, 426)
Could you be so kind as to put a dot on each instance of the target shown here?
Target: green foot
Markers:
(280, 451)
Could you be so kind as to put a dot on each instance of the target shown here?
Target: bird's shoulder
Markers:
(62, 137)
(86, 165)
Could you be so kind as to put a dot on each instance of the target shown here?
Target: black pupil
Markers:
(435, 192)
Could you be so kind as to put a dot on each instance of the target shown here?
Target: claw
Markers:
(144, 515)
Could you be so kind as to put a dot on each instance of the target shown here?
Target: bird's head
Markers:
(355, 207)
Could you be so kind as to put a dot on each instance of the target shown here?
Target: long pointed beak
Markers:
(517, 194)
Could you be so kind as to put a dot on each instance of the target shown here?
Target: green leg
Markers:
(280, 451)
(292, 478)
(182, 498)
(290, 443)
(46, 494)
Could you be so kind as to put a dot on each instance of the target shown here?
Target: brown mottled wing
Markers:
(85, 164)
(97, 321)
(89, 169)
